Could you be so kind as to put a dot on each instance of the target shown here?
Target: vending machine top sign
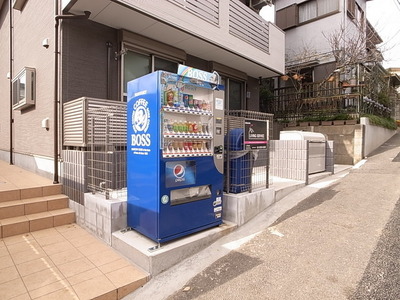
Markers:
(194, 73)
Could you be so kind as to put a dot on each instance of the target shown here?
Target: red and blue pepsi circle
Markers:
(179, 171)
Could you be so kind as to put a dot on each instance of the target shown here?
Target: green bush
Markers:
(388, 123)
(342, 116)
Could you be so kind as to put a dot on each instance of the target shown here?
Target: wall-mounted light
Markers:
(45, 124)
(45, 43)
(8, 75)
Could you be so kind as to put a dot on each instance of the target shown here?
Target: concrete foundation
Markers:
(101, 216)
(154, 258)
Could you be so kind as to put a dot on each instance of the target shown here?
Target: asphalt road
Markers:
(342, 242)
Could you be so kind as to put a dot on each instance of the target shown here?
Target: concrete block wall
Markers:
(343, 137)
(100, 216)
(289, 159)
(374, 136)
(352, 142)
(241, 208)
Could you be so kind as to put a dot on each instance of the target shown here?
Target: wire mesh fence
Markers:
(246, 160)
(107, 149)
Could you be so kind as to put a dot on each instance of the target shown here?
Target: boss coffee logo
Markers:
(140, 126)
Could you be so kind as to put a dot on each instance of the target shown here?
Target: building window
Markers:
(327, 6)
(23, 86)
(165, 65)
(137, 64)
(307, 11)
(234, 90)
(316, 8)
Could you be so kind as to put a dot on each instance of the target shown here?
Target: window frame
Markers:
(227, 83)
(318, 16)
(29, 94)
(152, 58)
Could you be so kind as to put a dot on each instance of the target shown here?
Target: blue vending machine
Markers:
(175, 153)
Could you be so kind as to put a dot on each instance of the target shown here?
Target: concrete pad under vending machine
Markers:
(155, 259)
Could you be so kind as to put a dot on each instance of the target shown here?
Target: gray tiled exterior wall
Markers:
(30, 26)
(84, 60)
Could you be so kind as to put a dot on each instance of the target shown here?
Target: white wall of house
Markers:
(312, 37)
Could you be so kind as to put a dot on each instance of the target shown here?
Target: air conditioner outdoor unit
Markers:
(258, 4)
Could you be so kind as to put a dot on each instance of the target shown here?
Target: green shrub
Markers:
(388, 123)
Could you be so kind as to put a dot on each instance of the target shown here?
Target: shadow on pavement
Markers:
(220, 272)
(310, 202)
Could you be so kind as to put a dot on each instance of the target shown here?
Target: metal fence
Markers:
(323, 101)
(100, 167)
(107, 149)
(245, 169)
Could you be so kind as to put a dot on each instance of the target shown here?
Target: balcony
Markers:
(227, 32)
(324, 100)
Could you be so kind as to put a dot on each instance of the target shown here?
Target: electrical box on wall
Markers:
(18, 4)
(24, 89)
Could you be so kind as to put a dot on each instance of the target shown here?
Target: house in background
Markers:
(333, 66)
(395, 94)
(57, 51)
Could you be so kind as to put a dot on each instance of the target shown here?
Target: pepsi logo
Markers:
(179, 171)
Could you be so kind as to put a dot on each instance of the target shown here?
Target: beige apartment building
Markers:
(56, 51)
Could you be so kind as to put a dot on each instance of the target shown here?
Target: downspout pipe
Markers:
(11, 86)
(109, 46)
(56, 94)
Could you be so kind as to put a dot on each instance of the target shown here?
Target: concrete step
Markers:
(28, 206)
(24, 210)
(37, 221)
(31, 192)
